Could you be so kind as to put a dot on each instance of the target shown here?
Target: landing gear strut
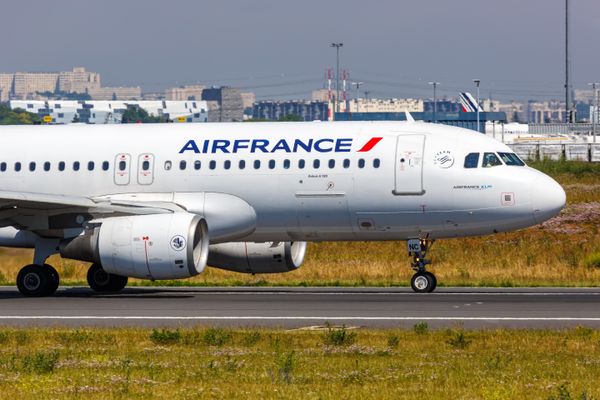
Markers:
(422, 281)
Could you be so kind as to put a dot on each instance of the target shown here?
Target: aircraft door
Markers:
(408, 173)
(122, 169)
(146, 169)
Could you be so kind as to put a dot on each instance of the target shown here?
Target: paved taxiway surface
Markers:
(300, 307)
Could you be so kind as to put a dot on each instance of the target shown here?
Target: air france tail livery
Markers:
(164, 201)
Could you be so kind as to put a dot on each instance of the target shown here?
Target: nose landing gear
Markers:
(422, 281)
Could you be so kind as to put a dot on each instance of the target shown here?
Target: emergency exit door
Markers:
(146, 169)
(122, 169)
(408, 172)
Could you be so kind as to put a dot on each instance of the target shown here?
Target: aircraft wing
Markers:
(47, 212)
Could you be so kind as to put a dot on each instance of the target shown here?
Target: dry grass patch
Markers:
(441, 364)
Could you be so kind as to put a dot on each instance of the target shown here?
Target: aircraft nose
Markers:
(547, 198)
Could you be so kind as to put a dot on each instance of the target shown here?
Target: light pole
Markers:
(357, 86)
(477, 82)
(337, 75)
(367, 100)
(434, 84)
(594, 108)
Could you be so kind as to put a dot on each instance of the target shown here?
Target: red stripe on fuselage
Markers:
(370, 144)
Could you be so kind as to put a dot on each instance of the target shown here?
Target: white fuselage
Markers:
(412, 182)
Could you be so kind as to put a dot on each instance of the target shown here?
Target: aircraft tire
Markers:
(103, 282)
(54, 278)
(37, 281)
(423, 282)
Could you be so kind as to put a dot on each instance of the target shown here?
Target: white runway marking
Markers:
(290, 318)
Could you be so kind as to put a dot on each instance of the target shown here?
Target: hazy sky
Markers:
(281, 48)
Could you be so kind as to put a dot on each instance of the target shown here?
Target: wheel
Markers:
(423, 282)
(54, 278)
(36, 281)
(101, 281)
(434, 281)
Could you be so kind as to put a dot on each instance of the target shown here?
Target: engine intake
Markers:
(257, 258)
(158, 246)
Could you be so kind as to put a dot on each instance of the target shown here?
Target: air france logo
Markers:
(444, 159)
(178, 243)
(324, 145)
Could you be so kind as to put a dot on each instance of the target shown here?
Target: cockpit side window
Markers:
(490, 160)
(511, 159)
(471, 160)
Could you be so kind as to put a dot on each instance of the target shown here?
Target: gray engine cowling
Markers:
(257, 258)
(158, 246)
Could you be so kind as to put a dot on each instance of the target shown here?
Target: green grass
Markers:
(275, 364)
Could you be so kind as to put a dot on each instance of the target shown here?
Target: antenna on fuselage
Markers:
(409, 117)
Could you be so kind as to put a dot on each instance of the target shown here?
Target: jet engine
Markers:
(158, 246)
(257, 258)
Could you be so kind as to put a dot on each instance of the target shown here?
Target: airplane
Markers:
(163, 201)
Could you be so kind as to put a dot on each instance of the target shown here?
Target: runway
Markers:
(306, 307)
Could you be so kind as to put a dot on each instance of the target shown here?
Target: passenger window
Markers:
(197, 165)
(472, 160)
(47, 166)
(91, 166)
(271, 164)
(168, 165)
(331, 163)
(145, 165)
(227, 164)
(301, 164)
(346, 163)
(316, 164)
(76, 165)
(32, 166)
(3, 166)
(286, 164)
(61, 166)
(17, 166)
(376, 163)
(212, 164)
(242, 164)
(123, 165)
(361, 163)
(511, 159)
(182, 164)
(256, 164)
(491, 160)
(105, 165)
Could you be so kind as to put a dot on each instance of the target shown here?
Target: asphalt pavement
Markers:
(306, 307)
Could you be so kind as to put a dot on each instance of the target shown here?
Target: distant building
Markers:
(230, 105)
(116, 93)
(78, 81)
(442, 106)
(546, 112)
(320, 95)
(383, 105)
(31, 85)
(6, 86)
(307, 110)
(182, 93)
(27, 85)
(248, 100)
(110, 112)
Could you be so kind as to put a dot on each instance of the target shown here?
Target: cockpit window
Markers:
(511, 159)
(490, 160)
(471, 160)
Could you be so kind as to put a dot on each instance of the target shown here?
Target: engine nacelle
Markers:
(158, 246)
(257, 258)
